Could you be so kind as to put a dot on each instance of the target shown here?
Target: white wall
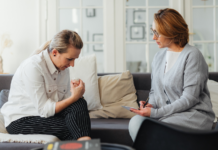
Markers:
(18, 18)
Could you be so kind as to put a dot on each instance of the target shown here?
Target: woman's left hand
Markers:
(145, 112)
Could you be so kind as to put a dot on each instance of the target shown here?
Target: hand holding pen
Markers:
(144, 110)
(145, 104)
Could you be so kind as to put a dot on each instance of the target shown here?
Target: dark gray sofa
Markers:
(108, 130)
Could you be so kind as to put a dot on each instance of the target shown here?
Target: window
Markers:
(140, 47)
(202, 18)
(118, 31)
(86, 18)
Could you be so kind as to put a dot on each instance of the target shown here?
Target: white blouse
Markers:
(35, 88)
(171, 58)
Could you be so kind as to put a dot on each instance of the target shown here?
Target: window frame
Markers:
(189, 19)
(176, 4)
(114, 29)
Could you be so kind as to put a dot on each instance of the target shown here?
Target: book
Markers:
(74, 145)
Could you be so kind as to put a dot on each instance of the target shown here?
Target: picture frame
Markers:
(137, 32)
(90, 12)
(139, 17)
(98, 37)
(151, 33)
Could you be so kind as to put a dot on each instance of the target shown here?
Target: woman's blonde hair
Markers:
(61, 41)
(169, 23)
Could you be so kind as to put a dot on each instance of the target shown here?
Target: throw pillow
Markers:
(116, 91)
(3, 97)
(85, 69)
(213, 88)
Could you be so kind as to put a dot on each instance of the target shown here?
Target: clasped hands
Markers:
(144, 110)
(77, 88)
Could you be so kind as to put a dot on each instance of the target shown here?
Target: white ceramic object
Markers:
(76, 79)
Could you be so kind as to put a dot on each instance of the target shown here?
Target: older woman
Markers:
(42, 99)
(179, 94)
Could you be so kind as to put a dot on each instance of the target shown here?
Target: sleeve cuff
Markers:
(49, 109)
(156, 113)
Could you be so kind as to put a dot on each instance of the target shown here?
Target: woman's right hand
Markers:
(77, 89)
(147, 105)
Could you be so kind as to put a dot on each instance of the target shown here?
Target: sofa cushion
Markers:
(142, 95)
(5, 81)
(3, 97)
(111, 130)
(108, 130)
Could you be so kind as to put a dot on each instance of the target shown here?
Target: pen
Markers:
(146, 102)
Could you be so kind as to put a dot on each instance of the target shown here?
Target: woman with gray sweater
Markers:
(179, 94)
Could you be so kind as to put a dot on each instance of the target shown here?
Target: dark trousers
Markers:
(70, 124)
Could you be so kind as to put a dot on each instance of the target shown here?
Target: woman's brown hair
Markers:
(169, 23)
(61, 41)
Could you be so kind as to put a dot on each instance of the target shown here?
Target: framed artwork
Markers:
(98, 37)
(90, 12)
(137, 32)
(151, 33)
(139, 16)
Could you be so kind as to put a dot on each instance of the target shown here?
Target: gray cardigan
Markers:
(181, 96)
